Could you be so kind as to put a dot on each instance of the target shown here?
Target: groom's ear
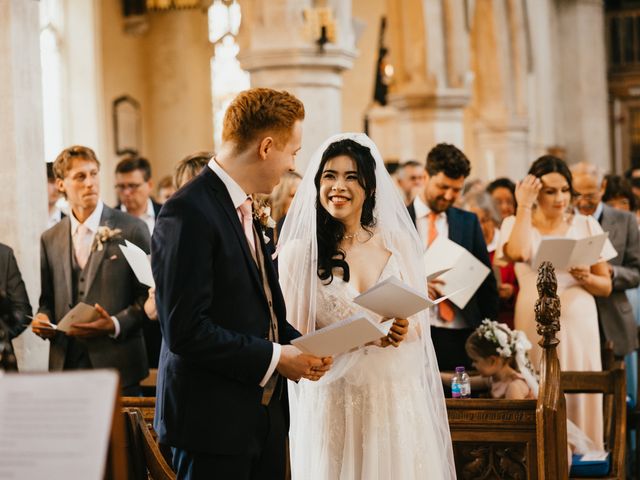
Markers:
(264, 146)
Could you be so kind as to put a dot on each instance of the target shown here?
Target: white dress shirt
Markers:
(92, 223)
(442, 226)
(238, 196)
(148, 217)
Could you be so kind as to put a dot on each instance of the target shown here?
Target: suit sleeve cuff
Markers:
(116, 324)
(275, 358)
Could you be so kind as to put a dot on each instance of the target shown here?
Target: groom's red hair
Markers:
(261, 111)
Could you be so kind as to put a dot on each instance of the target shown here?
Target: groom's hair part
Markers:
(330, 231)
(261, 111)
(448, 159)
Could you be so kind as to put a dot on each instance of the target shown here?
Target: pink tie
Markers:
(82, 245)
(246, 217)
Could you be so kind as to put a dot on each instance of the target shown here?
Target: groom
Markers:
(222, 397)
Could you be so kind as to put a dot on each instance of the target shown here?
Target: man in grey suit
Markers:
(81, 262)
(614, 312)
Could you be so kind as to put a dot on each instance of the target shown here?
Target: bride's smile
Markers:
(341, 193)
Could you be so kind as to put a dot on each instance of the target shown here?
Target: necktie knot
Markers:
(246, 209)
(246, 214)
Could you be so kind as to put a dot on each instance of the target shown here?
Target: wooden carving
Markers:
(484, 461)
(547, 307)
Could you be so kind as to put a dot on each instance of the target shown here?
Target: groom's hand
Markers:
(294, 364)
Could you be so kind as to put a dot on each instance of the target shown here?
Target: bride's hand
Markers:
(397, 333)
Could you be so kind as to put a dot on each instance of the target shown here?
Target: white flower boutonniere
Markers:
(103, 236)
(262, 213)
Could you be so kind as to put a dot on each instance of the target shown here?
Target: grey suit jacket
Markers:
(12, 286)
(614, 312)
(110, 282)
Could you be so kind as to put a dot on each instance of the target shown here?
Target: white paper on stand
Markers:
(565, 253)
(342, 336)
(466, 274)
(139, 263)
(56, 425)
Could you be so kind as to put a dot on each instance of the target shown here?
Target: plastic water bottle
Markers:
(460, 384)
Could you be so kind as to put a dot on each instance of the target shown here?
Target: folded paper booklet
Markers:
(392, 298)
(564, 253)
(139, 263)
(342, 336)
(81, 313)
(465, 275)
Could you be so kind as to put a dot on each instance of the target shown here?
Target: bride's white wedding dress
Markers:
(371, 422)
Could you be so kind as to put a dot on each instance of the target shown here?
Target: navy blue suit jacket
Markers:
(214, 318)
(464, 229)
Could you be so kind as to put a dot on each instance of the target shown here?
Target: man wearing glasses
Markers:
(614, 312)
(134, 187)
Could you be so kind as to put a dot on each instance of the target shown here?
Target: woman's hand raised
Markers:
(527, 191)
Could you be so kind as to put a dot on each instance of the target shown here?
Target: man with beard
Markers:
(434, 214)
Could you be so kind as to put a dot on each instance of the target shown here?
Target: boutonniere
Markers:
(103, 236)
(262, 213)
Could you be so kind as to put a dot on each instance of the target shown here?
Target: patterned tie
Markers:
(246, 217)
(445, 309)
(82, 244)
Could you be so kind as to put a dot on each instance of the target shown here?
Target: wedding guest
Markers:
(614, 311)
(502, 191)
(165, 189)
(134, 187)
(544, 197)
(633, 175)
(280, 200)
(410, 178)
(618, 194)
(53, 195)
(433, 213)
(189, 167)
(81, 262)
(482, 205)
(13, 293)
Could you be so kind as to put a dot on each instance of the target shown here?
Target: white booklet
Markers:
(466, 272)
(139, 262)
(56, 425)
(392, 298)
(81, 313)
(342, 336)
(564, 253)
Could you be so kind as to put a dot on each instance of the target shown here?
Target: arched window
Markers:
(227, 78)
(51, 23)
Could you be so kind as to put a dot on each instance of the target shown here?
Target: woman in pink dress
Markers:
(544, 198)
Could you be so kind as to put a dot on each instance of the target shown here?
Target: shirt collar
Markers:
(92, 223)
(237, 194)
(150, 213)
(597, 214)
(422, 209)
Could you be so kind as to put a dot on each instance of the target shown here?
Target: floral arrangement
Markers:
(262, 213)
(103, 236)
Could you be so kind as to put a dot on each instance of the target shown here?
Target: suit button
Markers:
(82, 279)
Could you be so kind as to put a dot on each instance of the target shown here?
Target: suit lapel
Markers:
(225, 203)
(454, 231)
(95, 258)
(63, 251)
(608, 223)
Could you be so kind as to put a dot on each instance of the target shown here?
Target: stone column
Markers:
(430, 89)
(178, 66)
(279, 51)
(583, 116)
(23, 194)
(498, 111)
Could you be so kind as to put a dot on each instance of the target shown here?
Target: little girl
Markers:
(499, 354)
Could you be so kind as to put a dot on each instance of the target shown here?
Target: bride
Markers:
(379, 413)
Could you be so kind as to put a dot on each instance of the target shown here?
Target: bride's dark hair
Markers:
(329, 230)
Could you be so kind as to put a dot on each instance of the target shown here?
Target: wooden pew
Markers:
(527, 439)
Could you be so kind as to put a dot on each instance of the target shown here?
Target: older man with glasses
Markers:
(134, 187)
(615, 316)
